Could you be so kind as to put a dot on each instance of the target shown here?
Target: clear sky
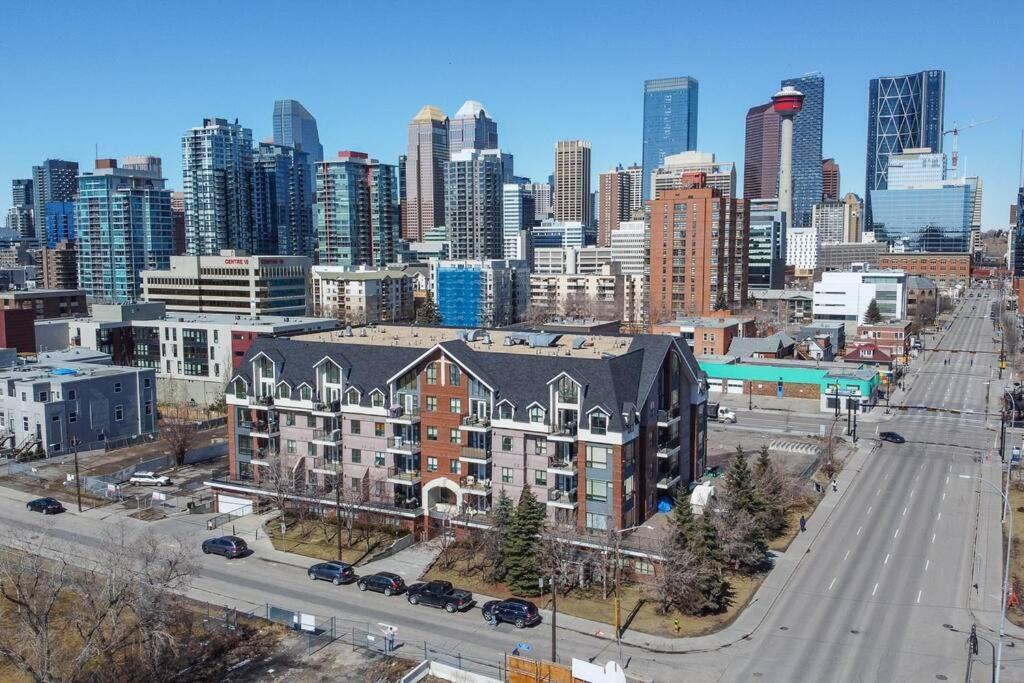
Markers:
(131, 77)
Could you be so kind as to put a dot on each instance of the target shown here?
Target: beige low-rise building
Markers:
(605, 294)
(363, 296)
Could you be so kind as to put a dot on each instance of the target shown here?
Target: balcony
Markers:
(668, 450)
(243, 426)
(403, 477)
(563, 466)
(403, 445)
(475, 423)
(667, 480)
(324, 465)
(326, 408)
(480, 456)
(564, 432)
(261, 457)
(265, 429)
(666, 418)
(565, 499)
(327, 437)
(403, 415)
(475, 487)
(261, 402)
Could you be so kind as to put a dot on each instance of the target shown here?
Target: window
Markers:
(597, 490)
(305, 393)
(117, 387)
(352, 397)
(379, 459)
(627, 487)
(505, 411)
(568, 390)
(290, 444)
(311, 449)
(455, 406)
(597, 522)
(355, 428)
(378, 429)
(289, 419)
(357, 455)
(310, 421)
(540, 447)
(72, 394)
(145, 383)
(42, 396)
(431, 433)
(455, 466)
(506, 443)
(644, 567)
(597, 457)
(536, 414)
(453, 435)
(431, 464)
(283, 391)
(431, 373)
(599, 423)
(540, 477)
(73, 416)
(506, 475)
(354, 484)
(377, 399)
(454, 375)
(118, 413)
(431, 402)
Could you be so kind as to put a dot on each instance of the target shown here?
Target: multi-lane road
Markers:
(893, 562)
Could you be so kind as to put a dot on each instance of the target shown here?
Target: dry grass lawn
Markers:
(307, 538)
(1016, 614)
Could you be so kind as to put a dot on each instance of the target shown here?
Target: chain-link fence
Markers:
(319, 631)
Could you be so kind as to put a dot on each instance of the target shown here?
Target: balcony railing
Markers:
(331, 435)
(567, 429)
(668, 415)
(472, 483)
(402, 443)
(400, 412)
(476, 421)
(329, 464)
(563, 496)
(560, 463)
(404, 476)
(326, 406)
(476, 453)
(265, 426)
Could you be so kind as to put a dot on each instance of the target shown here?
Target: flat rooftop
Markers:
(709, 321)
(414, 336)
(36, 292)
(64, 372)
(248, 322)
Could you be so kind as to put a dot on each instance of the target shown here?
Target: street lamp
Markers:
(618, 564)
(1006, 571)
(553, 582)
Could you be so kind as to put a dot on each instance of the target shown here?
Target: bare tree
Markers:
(277, 480)
(1011, 338)
(539, 313)
(562, 557)
(180, 435)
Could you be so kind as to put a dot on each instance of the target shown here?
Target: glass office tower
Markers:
(670, 122)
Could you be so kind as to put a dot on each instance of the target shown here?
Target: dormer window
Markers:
(536, 414)
(332, 374)
(283, 391)
(377, 399)
(598, 423)
(305, 393)
(568, 390)
(352, 397)
(505, 411)
(240, 389)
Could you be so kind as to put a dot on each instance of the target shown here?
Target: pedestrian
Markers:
(803, 523)
(835, 485)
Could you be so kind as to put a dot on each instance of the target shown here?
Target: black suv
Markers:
(382, 582)
(335, 572)
(440, 594)
(891, 437)
(516, 611)
(228, 546)
(48, 506)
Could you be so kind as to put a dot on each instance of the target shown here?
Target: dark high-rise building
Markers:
(54, 181)
(472, 128)
(761, 153)
(829, 180)
(473, 184)
(807, 128)
(21, 191)
(670, 122)
(281, 209)
(424, 173)
(177, 223)
(19, 217)
(1017, 241)
(903, 112)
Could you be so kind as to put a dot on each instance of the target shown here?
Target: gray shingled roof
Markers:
(748, 346)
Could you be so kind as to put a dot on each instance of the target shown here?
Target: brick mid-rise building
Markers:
(47, 303)
(946, 270)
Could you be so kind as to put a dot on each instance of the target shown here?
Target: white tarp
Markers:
(701, 497)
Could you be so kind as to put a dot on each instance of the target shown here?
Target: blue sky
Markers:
(132, 77)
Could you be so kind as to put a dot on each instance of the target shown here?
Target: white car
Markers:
(149, 479)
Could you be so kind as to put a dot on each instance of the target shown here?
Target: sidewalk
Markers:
(769, 404)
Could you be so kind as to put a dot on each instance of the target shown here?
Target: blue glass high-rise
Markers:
(934, 217)
(807, 128)
(903, 112)
(1017, 243)
(294, 126)
(670, 122)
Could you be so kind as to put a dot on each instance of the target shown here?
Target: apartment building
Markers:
(47, 303)
(480, 293)
(606, 294)
(946, 270)
(363, 296)
(709, 336)
(893, 338)
(431, 433)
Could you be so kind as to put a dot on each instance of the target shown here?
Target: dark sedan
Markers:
(335, 572)
(48, 506)
(382, 582)
(891, 437)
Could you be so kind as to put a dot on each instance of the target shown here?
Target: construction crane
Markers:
(955, 131)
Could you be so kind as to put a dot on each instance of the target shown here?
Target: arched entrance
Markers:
(441, 495)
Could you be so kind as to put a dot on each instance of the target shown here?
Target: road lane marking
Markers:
(886, 559)
(949, 470)
(927, 563)
(947, 481)
(873, 590)
(869, 509)
(846, 555)
(858, 530)
(878, 491)
(904, 512)
(833, 582)
(943, 495)
(912, 492)
(896, 534)
(919, 596)
(938, 517)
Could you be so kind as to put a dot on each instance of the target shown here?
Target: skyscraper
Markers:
(19, 216)
(615, 189)
(217, 170)
(767, 252)
(424, 173)
(670, 122)
(903, 112)
(543, 203)
(178, 223)
(472, 128)
(294, 126)
(281, 207)
(53, 181)
(807, 128)
(572, 181)
(518, 209)
(356, 211)
(21, 191)
(123, 221)
(1016, 242)
(473, 184)
(829, 180)
(761, 153)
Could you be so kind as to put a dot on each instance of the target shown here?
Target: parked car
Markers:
(149, 479)
(516, 611)
(440, 594)
(228, 546)
(48, 506)
(382, 582)
(891, 437)
(335, 572)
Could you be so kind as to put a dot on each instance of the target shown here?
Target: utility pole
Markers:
(337, 511)
(78, 480)
(553, 583)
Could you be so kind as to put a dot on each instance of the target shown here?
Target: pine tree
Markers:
(873, 316)
(502, 515)
(428, 313)
(764, 462)
(739, 484)
(521, 547)
(692, 580)
(742, 523)
(720, 303)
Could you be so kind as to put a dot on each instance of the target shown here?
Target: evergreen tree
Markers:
(720, 303)
(739, 484)
(742, 524)
(502, 515)
(764, 463)
(522, 544)
(873, 316)
(427, 314)
(692, 580)
(772, 488)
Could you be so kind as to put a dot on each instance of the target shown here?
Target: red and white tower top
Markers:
(788, 101)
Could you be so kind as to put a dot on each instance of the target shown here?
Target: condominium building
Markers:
(519, 210)
(572, 181)
(473, 185)
(124, 227)
(767, 249)
(606, 294)
(231, 282)
(620, 200)
(59, 266)
(629, 246)
(720, 175)
(544, 205)
(570, 260)
(357, 211)
(425, 160)
(217, 168)
(359, 297)
(47, 303)
(55, 180)
(282, 203)
(480, 293)
(829, 219)
(430, 434)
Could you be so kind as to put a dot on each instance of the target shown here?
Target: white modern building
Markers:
(829, 219)
(570, 260)
(629, 246)
(232, 282)
(844, 296)
(802, 248)
(363, 296)
(605, 294)
(719, 175)
(558, 234)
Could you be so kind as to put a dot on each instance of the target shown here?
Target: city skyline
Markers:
(601, 103)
